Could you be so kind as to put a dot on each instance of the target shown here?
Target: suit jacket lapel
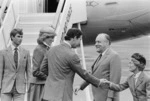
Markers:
(10, 56)
(101, 60)
(140, 79)
(94, 63)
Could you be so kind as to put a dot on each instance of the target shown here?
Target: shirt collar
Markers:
(13, 47)
(137, 75)
(67, 43)
(104, 52)
(46, 44)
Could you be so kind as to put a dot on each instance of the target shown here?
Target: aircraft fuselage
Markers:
(120, 19)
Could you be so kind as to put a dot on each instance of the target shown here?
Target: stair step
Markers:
(32, 27)
(35, 25)
(30, 38)
(37, 17)
(29, 47)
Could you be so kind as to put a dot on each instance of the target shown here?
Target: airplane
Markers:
(121, 19)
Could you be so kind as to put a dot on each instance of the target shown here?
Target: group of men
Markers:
(59, 65)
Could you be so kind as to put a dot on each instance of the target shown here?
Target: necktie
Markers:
(99, 57)
(96, 61)
(16, 57)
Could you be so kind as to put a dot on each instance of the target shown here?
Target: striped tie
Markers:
(16, 57)
(99, 57)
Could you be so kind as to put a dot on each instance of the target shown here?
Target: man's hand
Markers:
(76, 90)
(104, 83)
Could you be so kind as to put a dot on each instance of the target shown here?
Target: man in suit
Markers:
(108, 66)
(63, 63)
(138, 82)
(14, 65)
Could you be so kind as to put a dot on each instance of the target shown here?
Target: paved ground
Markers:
(125, 48)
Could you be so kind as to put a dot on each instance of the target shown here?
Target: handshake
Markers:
(104, 83)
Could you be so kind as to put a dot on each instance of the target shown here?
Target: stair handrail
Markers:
(2, 10)
(58, 13)
(87, 89)
(2, 40)
(63, 21)
(7, 24)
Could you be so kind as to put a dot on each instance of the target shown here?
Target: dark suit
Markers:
(108, 67)
(39, 78)
(140, 91)
(63, 63)
(12, 77)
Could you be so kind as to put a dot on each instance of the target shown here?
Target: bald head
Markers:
(104, 37)
(102, 42)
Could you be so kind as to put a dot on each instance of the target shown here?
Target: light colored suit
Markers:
(9, 74)
(63, 63)
(140, 91)
(108, 67)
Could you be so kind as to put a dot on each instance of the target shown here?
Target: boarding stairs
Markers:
(31, 23)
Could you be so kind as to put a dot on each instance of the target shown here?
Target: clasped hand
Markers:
(104, 83)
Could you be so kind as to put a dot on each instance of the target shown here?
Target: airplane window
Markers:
(111, 3)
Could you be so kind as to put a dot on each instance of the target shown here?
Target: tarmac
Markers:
(125, 48)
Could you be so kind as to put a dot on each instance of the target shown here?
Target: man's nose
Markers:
(20, 38)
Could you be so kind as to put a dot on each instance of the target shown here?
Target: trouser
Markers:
(13, 95)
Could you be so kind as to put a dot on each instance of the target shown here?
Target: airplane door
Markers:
(50, 5)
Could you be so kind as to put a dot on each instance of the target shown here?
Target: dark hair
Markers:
(16, 31)
(141, 59)
(73, 32)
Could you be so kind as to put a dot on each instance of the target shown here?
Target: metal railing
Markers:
(3, 8)
(62, 22)
(8, 24)
(58, 13)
